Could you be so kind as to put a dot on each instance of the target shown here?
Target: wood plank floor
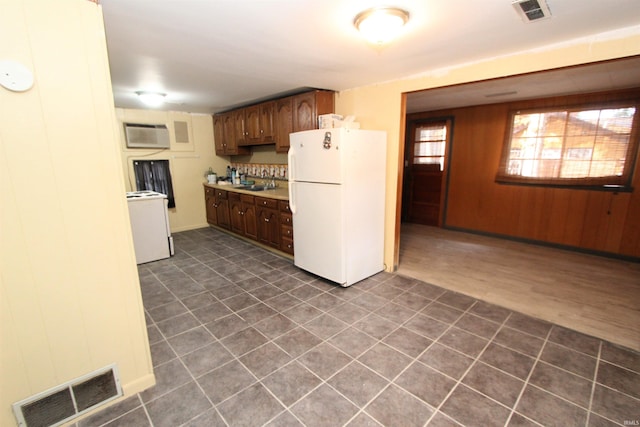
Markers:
(594, 295)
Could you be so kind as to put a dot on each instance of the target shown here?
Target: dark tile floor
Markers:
(241, 337)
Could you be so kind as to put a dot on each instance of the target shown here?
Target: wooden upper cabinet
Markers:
(308, 106)
(239, 126)
(224, 133)
(283, 123)
(271, 122)
(259, 124)
(266, 122)
(252, 124)
(218, 133)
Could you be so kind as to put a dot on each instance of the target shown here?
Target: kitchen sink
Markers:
(254, 187)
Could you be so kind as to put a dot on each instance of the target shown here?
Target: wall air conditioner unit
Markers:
(146, 136)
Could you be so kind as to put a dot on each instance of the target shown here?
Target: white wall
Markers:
(188, 162)
(69, 291)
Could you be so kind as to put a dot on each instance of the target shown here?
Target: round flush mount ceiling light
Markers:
(380, 25)
(152, 99)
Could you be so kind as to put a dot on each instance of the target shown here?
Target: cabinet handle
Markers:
(215, 206)
(266, 220)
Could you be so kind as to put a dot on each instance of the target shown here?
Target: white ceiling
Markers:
(213, 55)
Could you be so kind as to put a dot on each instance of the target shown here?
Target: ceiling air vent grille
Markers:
(532, 10)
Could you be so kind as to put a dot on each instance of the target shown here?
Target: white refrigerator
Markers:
(337, 197)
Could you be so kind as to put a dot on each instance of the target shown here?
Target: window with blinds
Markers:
(571, 147)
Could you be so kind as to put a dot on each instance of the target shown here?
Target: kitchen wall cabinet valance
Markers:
(270, 122)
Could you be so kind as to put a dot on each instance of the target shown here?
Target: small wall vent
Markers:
(67, 401)
(532, 10)
(181, 131)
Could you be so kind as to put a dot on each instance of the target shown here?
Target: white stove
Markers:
(145, 194)
(150, 227)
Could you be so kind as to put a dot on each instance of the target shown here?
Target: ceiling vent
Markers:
(532, 10)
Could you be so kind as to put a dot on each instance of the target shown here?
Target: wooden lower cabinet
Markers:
(217, 207)
(249, 215)
(286, 227)
(235, 213)
(262, 219)
(242, 211)
(268, 222)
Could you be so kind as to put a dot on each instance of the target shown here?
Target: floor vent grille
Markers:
(532, 10)
(67, 401)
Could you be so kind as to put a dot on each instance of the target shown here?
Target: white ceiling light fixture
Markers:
(152, 99)
(380, 25)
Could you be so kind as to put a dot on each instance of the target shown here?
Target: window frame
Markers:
(429, 122)
(614, 183)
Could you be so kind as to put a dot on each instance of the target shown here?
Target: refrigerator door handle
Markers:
(292, 200)
(291, 171)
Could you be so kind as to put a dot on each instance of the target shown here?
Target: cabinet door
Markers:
(266, 122)
(222, 209)
(268, 227)
(210, 204)
(252, 126)
(308, 106)
(223, 213)
(304, 112)
(239, 127)
(229, 131)
(250, 220)
(218, 134)
(283, 123)
(236, 213)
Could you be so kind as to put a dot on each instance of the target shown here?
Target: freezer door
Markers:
(318, 227)
(315, 156)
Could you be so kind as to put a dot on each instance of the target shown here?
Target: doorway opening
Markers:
(424, 183)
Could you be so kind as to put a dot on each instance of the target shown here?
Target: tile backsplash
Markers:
(262, 170)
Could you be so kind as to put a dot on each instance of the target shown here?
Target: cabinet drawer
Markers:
(285, 219)
(221, 194)
(287, 231)
(246, 198)
(209, 192)
(233, 196)
(286, 245)
(284, 206)
(267, 203)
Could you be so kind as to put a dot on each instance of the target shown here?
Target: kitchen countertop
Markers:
(280, 193)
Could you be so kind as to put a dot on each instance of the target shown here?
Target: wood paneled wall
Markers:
(601, 221)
